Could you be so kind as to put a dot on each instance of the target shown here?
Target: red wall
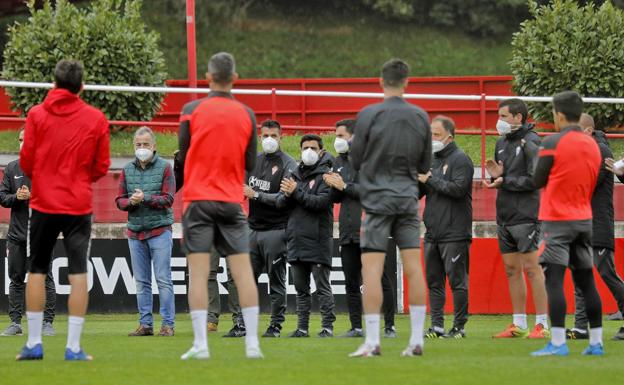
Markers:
(325, 111)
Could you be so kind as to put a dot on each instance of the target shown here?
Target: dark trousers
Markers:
(351, 256)
(18, 266)
(301, 276)
(268, 253)
(214, 298)
(442, 260)
(603, 261)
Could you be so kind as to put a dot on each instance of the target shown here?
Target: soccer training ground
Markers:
(478, 359)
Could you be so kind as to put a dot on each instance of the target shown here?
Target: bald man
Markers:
(603, 235)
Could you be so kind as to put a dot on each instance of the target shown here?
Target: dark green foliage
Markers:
(109, 37)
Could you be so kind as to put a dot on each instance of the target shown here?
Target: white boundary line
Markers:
(337, 94)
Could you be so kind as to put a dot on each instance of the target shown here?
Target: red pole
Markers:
(190, 45)
(483, 136)
(273, 104)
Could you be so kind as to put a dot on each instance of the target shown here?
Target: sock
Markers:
(417, 317)
(595, 336)
(558, 337)
(74, 330)
(520, 320)
(542, 319)
(372, 322)
(35, 324)
(250, 316)
(199, 318)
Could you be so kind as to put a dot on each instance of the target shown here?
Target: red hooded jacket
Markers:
(66, 149)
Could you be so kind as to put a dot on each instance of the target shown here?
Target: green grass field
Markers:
(155, 360)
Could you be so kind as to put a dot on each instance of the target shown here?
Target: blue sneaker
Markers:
(34, 353)
(80, 356)
(552, 350)
(594, 350)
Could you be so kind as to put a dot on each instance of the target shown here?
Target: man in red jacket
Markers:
(66, 149)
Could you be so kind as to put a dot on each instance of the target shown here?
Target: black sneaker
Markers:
(326, 333)
(432, 333)
(353, 333)
(273, 331)
(456, 333)
(574, 334)
(617, 316)
(390, 332)
(619, 336)
(236, 332)
(299, 334)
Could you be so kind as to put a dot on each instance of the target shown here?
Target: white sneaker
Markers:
(195, 354)
(254, 352)
(366, 351)
(412, 351)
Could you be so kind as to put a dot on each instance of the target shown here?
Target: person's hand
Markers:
(287, 186)
(610, 166)
(423, 178)
(23, 193)
(334, 180)
(137, 197)
(496, 184)
(248, 192)
(494, 169)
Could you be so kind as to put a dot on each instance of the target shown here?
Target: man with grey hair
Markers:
(146, 190)
(217, 145)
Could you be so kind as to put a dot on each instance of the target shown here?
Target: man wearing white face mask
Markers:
(267, 240)
(448, 219)
(517, 204)
(309, 233)
(146, 190)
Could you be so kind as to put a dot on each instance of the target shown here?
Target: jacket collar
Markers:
(220, 94)
(520, 132)
(572, 127)
(446, 151)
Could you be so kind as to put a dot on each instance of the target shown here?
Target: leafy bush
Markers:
(110, 39)
(570, 47)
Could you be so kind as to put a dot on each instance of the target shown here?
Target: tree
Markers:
(565, 46)
(110, 39)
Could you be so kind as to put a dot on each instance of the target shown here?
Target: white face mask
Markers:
(438, 145)
(143, 154)
(505, 128)
(341, 145)
(309, 157)
(269, 145)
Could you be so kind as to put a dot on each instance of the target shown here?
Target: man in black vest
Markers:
(346, 191)
(268, 223)
(146, 190)
(448, 219)
(15, 194)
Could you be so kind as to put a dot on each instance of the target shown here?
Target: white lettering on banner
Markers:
(120, 269)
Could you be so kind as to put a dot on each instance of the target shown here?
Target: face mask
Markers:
(309, 157)
(269, 145)
(143, 154)
(341, 145)
(505, 128)
(437, 146)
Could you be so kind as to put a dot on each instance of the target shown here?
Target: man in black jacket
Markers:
(517, 204)
(15, 194)
(345, 190)
(448, 219)
(603, 236)
(309, 233)
(268, 223)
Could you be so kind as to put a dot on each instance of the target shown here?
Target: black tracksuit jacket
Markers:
(13, 179)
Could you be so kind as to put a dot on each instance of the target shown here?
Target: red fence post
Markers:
(273, 104)
(190, 45)
(482, 113)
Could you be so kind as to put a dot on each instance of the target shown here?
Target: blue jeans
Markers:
(156, 251)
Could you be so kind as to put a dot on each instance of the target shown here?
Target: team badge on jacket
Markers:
(444, 169)
(274, 170)
(311, 184)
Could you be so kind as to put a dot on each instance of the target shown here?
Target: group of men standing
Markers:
(388, 159)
